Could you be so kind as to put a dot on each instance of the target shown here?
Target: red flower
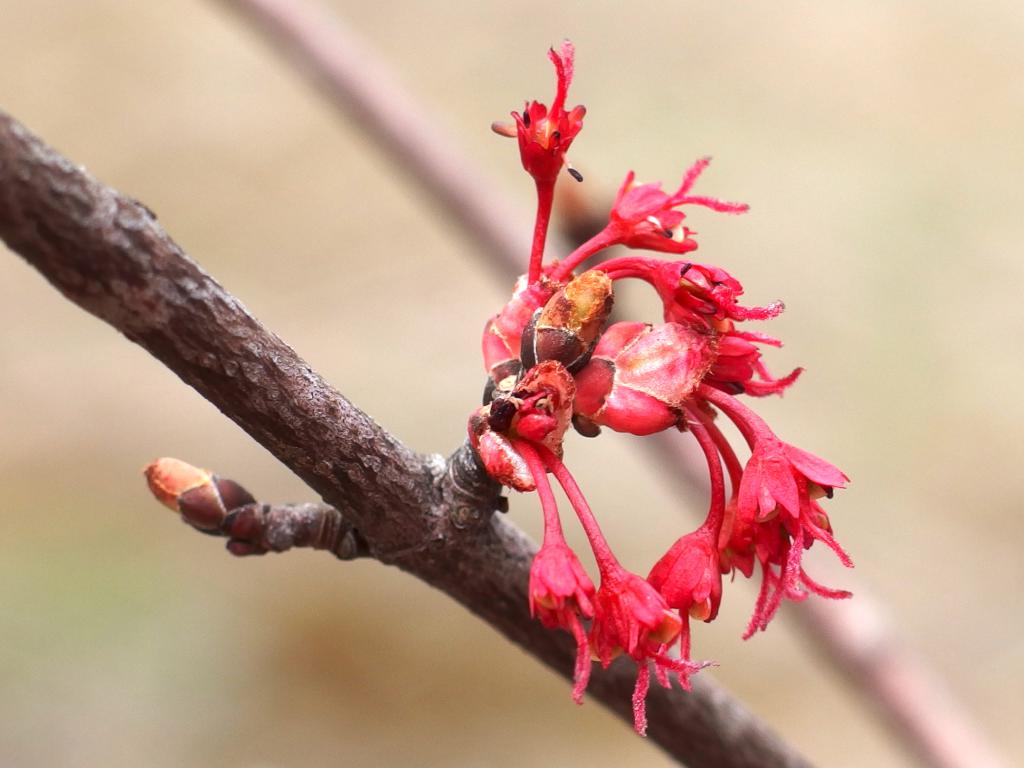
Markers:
(631, 617)
(546, 134)
(561, 593)
(777, 475)
(774, 516)
(559, 585)
(778, 544)
(644, 216)
(689, 578)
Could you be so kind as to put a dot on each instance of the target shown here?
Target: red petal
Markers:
(816, 469)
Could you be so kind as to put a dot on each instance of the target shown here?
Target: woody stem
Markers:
(606, 561)
(545, 201)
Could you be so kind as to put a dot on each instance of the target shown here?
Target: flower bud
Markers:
(201, 498)
(640, 375)
(566, 328)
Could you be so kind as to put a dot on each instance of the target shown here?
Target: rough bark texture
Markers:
(431, 517)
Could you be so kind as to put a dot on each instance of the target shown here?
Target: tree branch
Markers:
(432, 518)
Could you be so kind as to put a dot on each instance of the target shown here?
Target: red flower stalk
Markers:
(643, 216)
(560, 590)
(545, 135)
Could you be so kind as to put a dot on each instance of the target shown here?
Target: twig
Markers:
(432, 518)
(358, 83)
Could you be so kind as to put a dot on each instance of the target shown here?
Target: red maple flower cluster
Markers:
(551, 362)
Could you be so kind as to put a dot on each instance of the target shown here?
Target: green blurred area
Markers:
(880, 146)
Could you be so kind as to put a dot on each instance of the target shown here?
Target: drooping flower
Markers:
(774, 515)
(631, 617)
(777, 476)
(560, 592)
(688, 577)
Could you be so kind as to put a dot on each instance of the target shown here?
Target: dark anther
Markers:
(667, 232)
(526, 118)
(685, 268)
(503, 410)
(489, 389)
(585, 426)
(556, 137)
(829, 490)
(575, 174)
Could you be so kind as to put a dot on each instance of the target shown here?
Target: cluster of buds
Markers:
(551, 362)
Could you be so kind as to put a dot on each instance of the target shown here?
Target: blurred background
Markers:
(881, 148)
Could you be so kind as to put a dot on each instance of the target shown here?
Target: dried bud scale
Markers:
(551, 362)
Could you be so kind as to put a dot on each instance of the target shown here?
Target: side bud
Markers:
(639, 376)
(201, 498)
(567, 327)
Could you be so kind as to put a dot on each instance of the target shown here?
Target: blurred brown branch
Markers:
(431, 517)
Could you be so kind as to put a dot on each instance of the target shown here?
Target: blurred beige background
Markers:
(880, 147)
